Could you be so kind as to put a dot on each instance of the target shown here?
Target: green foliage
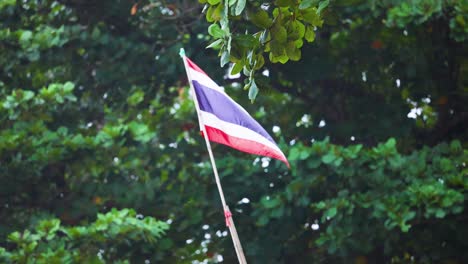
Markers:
(112, 237)
(358, 196)
(279, 29)
(20, 104)
(95, 114)
(78, 129)
(421, 11)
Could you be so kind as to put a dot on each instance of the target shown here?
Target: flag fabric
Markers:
(225, 121)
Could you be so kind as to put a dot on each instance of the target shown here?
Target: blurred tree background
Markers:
(101, 158)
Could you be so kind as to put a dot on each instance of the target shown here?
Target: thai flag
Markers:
(225, 121)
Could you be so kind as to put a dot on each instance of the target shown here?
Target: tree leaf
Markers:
(237, 68)
(215, 44)
(322, 5)
(307, 3)
(261, 19)
(224, 58)
(331, 212)
(215, 31)
(293, 52)
(279, 34)
(329, 158)
(253, 90)
(309, 34)
(240, 5)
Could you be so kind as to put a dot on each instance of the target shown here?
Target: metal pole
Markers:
(227, 212)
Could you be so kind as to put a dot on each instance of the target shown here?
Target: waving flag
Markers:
(225, 121)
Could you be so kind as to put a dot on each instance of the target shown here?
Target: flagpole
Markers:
(227, 213)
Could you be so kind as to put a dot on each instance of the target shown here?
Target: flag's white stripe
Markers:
(205, 80)
(236, 130)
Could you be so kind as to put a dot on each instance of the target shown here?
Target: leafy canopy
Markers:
(95, 115)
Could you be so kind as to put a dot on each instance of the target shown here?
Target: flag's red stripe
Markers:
(194, 66)
(244, 145)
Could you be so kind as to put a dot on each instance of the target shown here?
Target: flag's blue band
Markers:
(219, 105)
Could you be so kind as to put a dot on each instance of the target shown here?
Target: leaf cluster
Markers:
(112, 237)
(279, 30)
(357, 196)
